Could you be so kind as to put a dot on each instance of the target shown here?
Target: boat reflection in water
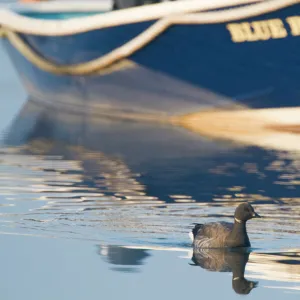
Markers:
(223, 260)
(161, 160)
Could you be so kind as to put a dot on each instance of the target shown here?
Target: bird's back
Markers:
(211, 235)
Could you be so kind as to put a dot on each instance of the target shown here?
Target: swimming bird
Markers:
(223, 234)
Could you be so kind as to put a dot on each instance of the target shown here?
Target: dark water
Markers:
(102, 208)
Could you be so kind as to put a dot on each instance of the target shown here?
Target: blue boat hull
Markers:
(185, 69)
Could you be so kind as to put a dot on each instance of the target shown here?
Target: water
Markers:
(102, 208)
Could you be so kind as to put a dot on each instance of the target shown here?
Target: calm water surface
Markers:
(102, 208)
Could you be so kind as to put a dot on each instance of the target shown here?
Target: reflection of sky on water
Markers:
(92, 184)
(72, 269)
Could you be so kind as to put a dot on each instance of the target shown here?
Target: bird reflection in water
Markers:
(126, 259)
(226, 260)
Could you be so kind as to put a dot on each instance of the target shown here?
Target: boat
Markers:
(157, 61)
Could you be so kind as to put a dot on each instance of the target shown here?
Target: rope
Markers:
(2, 32)
(142, 39)
(152, 12)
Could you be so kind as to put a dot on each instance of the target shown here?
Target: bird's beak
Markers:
(256, 215)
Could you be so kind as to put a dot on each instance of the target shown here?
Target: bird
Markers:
(224, 234)
(226, 260)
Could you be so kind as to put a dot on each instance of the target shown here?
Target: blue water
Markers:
(101, 208)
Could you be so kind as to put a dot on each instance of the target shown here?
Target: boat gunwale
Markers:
(59, 6)
(13, 20)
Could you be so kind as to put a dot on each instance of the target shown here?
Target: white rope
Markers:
(23, 24)
(144, 38)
